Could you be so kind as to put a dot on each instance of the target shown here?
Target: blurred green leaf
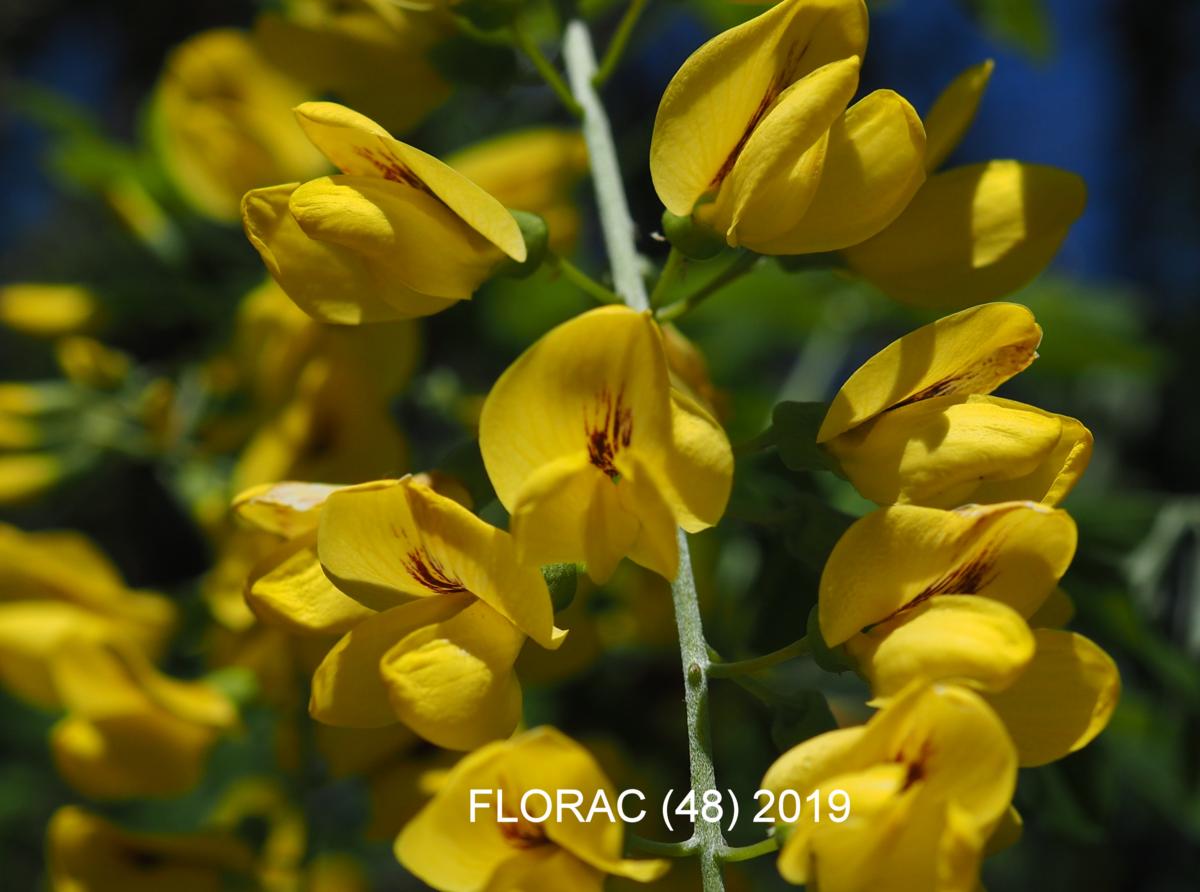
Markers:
(794, 429)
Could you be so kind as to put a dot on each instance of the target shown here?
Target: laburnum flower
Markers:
(753, 134)
(916, 424)
(86, 853)
(371, 53)
(47, 569)
(443, 847)
(534, 170)
(447, 607)
(972, 233)
(322, 394)
(929, 778)
(220, 122)
(397, 234)
(921, 594)
(593, 452)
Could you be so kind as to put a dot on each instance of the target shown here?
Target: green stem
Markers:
(548, 72)
(758, 664)
(745, 853)
(616, 49)
(643, 846)
(582, 280)
(671, 269)
(742, 265)
(617, 225)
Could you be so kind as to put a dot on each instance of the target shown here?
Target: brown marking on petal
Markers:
(982, 377)
(916, 769)
(609, 432)
(966, 579)
(782, 80)
(521, 834)
(429, 572)
(390, 168)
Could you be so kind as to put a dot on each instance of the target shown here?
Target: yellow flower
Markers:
(86, 853)
(90, 363)
(595, 455)
(973, 233)
(287, 586)
(915, 425)
(45, 310)
(26, 475)
(357, 247)
(322, 394)
(531, 170)
(443, 847)
(454, 608)
(928, 779)
(371, 54)
(65, 567)
(221, 123)
(920, 595)
(754, 137)
(131, 731)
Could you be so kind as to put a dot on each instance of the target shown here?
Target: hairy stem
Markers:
(617, 226)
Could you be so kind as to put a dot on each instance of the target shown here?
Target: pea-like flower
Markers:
(972, 233)
(753, 135)
(920, 595)
(356, 247)
(220, 123)
(437, 605)
(916, 424)
(373, 55)
(86, 853)
(929, 778)
(444, 847)
(593, 452)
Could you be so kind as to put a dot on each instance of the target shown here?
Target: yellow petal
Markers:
(288, 588)
(944, 451)
(972, 234)
(699, 472)
(86, 853)
(722, 91)
(640, 492)
(569, 511)
(953, 113)
(361, 148)
(976, 641)
(1055, 476)
(220, 122)
(1014, 552)
(392, 225)
(1062, 701)
(874, 165)
(453, 682)
(583, 387)
(970, 352)
(347, 688)
(32, 633)
(777, 174)
(329, 282)
(955, 746)
(807, 765)
(1056, 611)
(286, 509)
(383, 543)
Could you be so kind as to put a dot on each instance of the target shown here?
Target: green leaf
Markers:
(794, 431)
(812, 528)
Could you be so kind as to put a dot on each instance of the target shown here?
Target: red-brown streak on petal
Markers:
(966, 579)
(429, 572)
(610, 432)
(390, 168)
